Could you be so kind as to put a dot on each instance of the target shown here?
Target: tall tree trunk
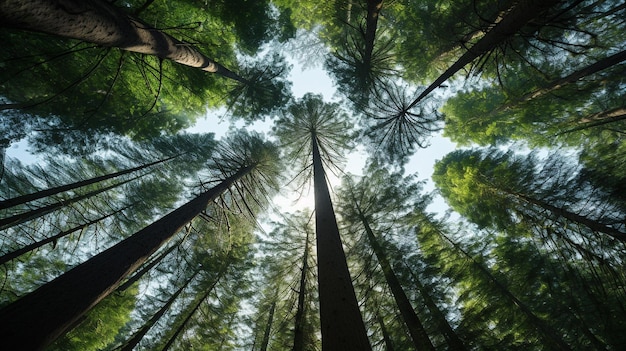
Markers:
(548, 333)
(298, 337)
(195, 308)
(411, 320)
(37, 319)
(452, 339)
(371, 24)
(268, 328)
(383, 329)
(342, 326)
(130, 344)
(59, 189)
(99, 22)
(523, 12)
(53, 239)
(36, 213)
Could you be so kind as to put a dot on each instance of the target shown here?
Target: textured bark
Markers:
(99, 22)
(37, 319)
(342, 326)
(67, 187)
(523, 12)
(598, 119)
(411, 320)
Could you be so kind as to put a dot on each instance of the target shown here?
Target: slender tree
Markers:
(324, 127)
(41, 316)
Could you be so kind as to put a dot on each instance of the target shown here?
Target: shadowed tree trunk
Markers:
(268, 328)
(37, 319)
(99, 22)
(341, 322)
(36, 213)
(130, 344)
(411, 320)
(298, 338)
(523, 12)
(53, 239)
(59, 189)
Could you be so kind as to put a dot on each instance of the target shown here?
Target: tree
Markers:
(78, 290)
(323, 127)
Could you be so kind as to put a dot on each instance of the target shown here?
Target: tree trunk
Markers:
(195, 308)
(383, 329)
(342, 326)
(522, 13)
(132, 280)
(36, 213)
(53, 239)
(59, 189)
(99, 22)
(598, 119)
(452, 339)
(37, 319)
(298, 337)
(268, 328)
(130, 344)
(411, 320)
(594, 225)
(551, 336)
(371, 24)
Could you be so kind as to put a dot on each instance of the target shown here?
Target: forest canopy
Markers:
(129, 231)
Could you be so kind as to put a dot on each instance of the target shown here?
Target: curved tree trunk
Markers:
(59, 189)
(37, 319)
(99, 22)
(342, 326)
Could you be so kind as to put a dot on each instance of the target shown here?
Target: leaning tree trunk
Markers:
(99, 22)
(342, 326)
(523, 12)
(298, 333)
(37, 319)
(53, 239)
(59, 189)
(42, 211)
(411, 320)
(452, 339)
(130, 344)
(268, 328)
(195, 308)
(550, 334)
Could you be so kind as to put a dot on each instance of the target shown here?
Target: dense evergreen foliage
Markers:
(128, 232)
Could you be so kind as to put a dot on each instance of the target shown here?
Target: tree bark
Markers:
(268, 328)
(598, 119)
(37, 319)
(411, 320)
(99, 22)
(371, 24)
(59, 189)
(342, 326)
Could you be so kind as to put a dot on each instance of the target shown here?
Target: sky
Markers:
(316, 80)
